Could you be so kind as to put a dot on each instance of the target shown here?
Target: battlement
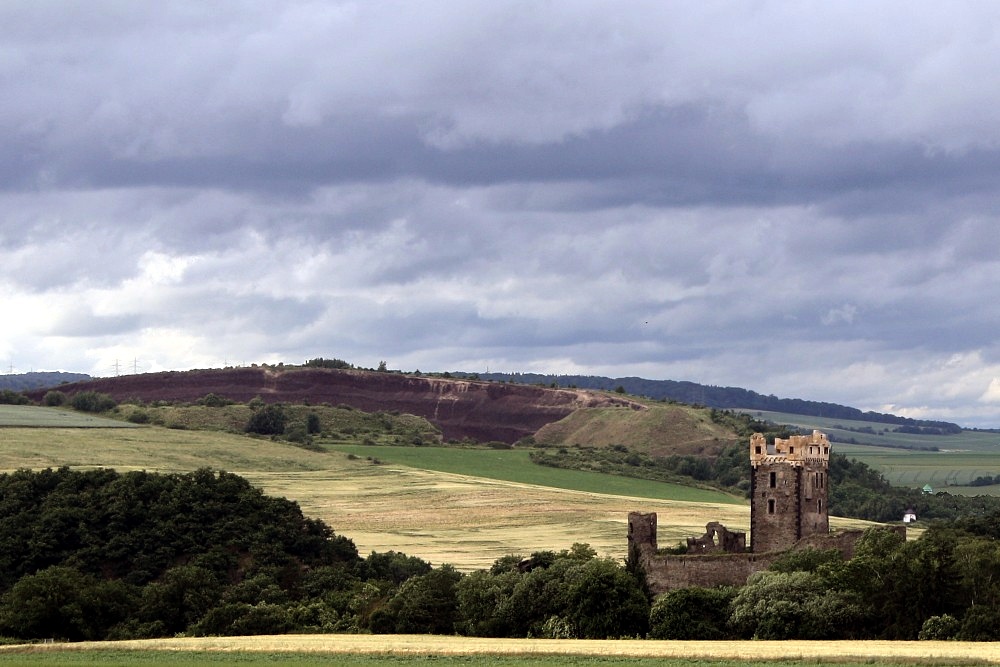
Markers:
(795, 451)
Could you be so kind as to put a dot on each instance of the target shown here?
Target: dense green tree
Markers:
(320, 362)
(92, 401)
(604, 601)
(54, 398)
(424, 604)
(61, 602)
(692, 613)
(11, 397)
(267, 420)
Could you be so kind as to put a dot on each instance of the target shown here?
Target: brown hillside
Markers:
(460, 408)
(660, 430)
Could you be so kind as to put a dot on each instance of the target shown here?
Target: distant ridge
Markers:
(718, 397)
(39, 380)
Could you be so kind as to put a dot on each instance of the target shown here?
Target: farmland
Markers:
(515, 466)
(907, 459)
(375, 651)
(463, 519)
(27, 416)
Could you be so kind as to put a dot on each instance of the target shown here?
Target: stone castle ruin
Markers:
(788, 510)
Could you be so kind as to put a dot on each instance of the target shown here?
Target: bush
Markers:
(692, 613)
(92, 401)
(9, 397)
(138, 417)
(54, 398)
(214, 401)
(298, 434)
(313, 425)
(945, 626)
(268, 420)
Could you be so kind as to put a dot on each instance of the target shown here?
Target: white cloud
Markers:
(795, 200)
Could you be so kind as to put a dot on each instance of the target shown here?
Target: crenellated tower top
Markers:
(797, 451)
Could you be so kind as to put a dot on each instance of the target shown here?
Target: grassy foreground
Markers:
(436, 650)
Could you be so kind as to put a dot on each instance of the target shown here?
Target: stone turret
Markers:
(788, 490)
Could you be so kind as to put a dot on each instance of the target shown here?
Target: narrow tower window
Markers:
(774, 479)
(770, 505)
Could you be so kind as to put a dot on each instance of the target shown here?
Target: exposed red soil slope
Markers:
(460, 408)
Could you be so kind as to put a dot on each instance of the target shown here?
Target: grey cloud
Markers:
(757, 195)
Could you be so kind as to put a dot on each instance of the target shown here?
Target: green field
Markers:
(39, 417)
(944, 471)
(906, 460)
(513, 465)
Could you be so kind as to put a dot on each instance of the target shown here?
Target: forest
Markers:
(98, 554)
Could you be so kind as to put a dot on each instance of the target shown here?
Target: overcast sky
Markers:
(797, 198)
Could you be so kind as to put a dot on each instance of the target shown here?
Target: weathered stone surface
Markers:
(788, 512)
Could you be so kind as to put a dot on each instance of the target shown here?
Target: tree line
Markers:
(89, 555)
(105, 555)
(712, 396)
(945, 585)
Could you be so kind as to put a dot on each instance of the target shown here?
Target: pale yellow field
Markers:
(466, 521)
(904, 652)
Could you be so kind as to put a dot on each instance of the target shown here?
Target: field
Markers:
(659, 430)
(39, 417)
(515, 466)
(959, 460)
(461, 519)
(435, 650)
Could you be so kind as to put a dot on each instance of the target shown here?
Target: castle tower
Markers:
(788, 490)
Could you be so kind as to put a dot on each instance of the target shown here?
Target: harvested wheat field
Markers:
(424, 645)
(440, 517)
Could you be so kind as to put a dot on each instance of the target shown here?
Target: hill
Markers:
(660, 430)
(726, 398)
(460, 408)
(39, 379)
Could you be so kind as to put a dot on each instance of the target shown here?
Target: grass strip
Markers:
(513, 465)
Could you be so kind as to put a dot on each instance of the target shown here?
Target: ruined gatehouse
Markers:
(788, 510)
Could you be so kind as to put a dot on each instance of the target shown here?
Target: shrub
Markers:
(9, 397)
(692, 613)
(54, 398)
(945, 626)
(212, 400)
(313, 425)
(92, 401)
(268, 420)
(138, 417)
(298, 433)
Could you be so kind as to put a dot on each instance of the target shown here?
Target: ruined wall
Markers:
(788, 511)
(665, 572)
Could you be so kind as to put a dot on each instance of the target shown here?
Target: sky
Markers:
(797, 198)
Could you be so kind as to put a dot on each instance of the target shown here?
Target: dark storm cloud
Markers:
(797, 199)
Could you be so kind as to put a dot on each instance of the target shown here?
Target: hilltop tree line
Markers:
(724, 398)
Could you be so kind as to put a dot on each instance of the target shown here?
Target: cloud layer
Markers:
(801, 200)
